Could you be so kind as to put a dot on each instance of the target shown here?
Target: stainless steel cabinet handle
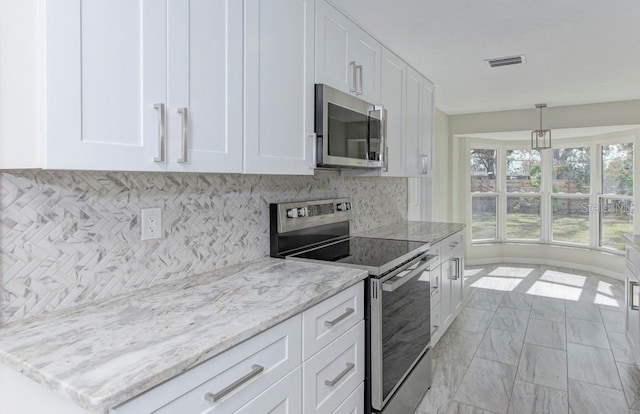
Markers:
(633, 305)
(455, 273)
(185, 134)
(424, 164)
(359, 68)
(354, 70)
(434, 289)
(386, 159)
(453, 244)
(337, 320)
(216, 396)
(350, 366)
(162, 133)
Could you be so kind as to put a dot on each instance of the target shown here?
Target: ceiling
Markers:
(577, 51)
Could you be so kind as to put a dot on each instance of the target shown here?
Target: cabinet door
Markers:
(414, 123)
(279, 87)
(367, 55)
(205, 86)
(427, 126)
(335, 65)
(446, 309)
(457, 269)
(107, 65)
(393, 91)
(633, 313)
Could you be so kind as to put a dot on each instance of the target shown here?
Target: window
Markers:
(484, 201)
(523, 180)
(616, 200)
(570, 182)
(579, 195)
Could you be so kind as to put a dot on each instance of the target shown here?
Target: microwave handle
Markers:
(383, 136)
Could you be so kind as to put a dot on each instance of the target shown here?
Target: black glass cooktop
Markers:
(376, 255)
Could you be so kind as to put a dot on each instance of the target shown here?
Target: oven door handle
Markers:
(400, 279)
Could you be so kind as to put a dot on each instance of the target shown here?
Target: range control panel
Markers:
(305, 214)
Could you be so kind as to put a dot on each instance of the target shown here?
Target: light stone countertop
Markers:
(420, 231)
(102, 354)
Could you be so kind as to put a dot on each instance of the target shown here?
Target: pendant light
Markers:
(541, 138)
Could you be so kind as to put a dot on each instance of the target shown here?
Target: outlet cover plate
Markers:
(151, 220)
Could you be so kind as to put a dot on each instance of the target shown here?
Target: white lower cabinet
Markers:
(354, 404)
(447, 284)
(284, 397)
(331, 375)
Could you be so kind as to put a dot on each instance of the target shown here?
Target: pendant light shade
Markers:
(541, 138)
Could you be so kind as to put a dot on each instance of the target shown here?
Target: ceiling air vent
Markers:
(505, 61)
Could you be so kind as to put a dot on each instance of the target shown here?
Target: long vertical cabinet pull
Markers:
(424, 164)
(633, 304)
(162, 133)
(354, 70)
(185, 135)
(359, 68)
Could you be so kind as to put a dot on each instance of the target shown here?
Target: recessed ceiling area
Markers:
(558, 133)
(577, 51)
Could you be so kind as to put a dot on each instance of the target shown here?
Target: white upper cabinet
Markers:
(204, 106)
(135, 85)
(394, 71)
(347, 58)
(419, 131)
(106, 85)
(279, 86)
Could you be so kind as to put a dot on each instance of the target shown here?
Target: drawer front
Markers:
(331, 375)
(285, 397)
(329, 319)
(354, 403)
(451, 243)
(436, 317)
(235, 376)
(435, 279)
(633, 260)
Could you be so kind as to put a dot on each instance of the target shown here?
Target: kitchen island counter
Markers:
(102, 354)
(420, 231)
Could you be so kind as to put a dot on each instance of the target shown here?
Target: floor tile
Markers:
(587, 398)
(510, 320)
(543, 366)
(472, 320)
(487, 385)
(584, 311)
(620, 348)
(613, 321)
(447, 376)
(456, 344)
(592, 365)
(501, 346)
(515, 300)
(546, 333)
(455, 407)
(528, 398)
(548, 309)
(483, 299)
(630, 376)
(580, 331)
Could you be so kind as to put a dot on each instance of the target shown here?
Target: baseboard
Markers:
(555, 263)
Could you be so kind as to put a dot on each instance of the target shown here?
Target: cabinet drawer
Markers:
(329, 319)
(285, 396)
(436, 317)
(334, 373)
(435, 280)
(354, 403)
(451, 243)
(235, 376)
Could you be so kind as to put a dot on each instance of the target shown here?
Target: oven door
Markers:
(400, 326)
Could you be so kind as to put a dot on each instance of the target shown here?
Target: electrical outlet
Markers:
(151, 223)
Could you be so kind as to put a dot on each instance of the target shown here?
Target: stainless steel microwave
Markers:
(350, 132)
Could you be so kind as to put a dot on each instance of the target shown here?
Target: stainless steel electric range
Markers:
(398, 370)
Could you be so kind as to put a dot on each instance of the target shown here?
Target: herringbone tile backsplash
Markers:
(68, 238)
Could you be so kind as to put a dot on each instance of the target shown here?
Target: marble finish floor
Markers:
(535, 339)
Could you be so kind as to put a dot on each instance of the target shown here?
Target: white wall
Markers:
(441, 181)
(577, 116)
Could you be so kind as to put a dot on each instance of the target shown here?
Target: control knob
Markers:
(292, 212)
(302, 212)
(343, 206)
